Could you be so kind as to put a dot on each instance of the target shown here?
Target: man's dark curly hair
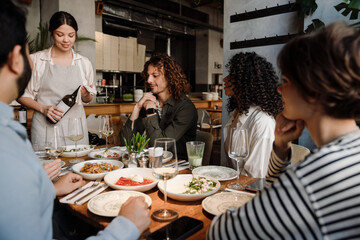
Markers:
(255, 84)
(174, 75)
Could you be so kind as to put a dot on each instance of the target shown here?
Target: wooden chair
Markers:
(207, 138)
(205, 123)
(299, 153)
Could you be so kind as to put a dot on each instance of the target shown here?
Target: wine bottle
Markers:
(23, 115)
(65, 104)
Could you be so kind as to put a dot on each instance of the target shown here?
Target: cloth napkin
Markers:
(88, 190)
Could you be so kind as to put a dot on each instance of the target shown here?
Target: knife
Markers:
(88, 194)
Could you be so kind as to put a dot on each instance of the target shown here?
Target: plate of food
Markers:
(189, 187)
(221, 202)
(105, 153)
(79, 151)
(218, 172)
(108, 204)
(96, 169)
(135, 179)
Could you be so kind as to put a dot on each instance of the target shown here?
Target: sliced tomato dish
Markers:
(123, 181)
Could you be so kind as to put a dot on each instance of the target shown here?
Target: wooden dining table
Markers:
(192, 209)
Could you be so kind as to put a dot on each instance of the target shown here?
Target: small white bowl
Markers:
(93, 176)
(114, 176)
(85, 151)
(176, 187)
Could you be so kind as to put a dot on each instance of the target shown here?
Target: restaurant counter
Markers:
(115, 109)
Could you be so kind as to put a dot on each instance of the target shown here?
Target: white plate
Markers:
(62, 163)
(99, 153)
(118, 148)
(220, 202)
(85, 149)
(93, 176)
(176, 188)
(218, 172)
(108, 204)
(167, 156)
(114, 176)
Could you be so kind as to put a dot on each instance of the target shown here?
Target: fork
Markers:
(82, 190)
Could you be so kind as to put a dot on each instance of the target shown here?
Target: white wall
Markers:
(268, 26)
(82, 10)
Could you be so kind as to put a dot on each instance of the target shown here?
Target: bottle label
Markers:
(22, 116)
(63, 106)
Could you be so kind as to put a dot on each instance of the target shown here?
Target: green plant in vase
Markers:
(134, 148)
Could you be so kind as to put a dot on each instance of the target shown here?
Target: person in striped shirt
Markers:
(320, 197)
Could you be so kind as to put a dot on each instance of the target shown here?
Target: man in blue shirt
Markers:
(28, 194)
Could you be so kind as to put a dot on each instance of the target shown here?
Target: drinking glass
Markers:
(106, 127)
(164, 173)
(75, 134)
(195, 152)
(55, 141)
(238, 150)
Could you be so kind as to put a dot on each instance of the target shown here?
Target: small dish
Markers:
(108, 154)
(83, 150)
(220, 202)
(114, 176)
(108, 204)
(218, 172)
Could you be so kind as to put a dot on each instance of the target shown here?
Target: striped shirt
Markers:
(317, 199)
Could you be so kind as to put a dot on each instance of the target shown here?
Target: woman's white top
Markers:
(42, 57)
(261, 131)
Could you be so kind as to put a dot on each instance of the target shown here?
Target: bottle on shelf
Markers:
(23, 115)
(66, 103)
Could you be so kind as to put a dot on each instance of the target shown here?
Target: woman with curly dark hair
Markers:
(166, 111)
(254, 104)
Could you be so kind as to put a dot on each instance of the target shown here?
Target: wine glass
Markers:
(164, 172)
(55, 141)
(238, 150)
(75, 134)
(106, 127)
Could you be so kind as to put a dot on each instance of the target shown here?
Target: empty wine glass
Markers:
(55, 141)
(238, 150)
(164, 172)
(75, 134)
(106, 127)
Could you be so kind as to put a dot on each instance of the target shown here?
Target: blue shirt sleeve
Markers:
(120, 228)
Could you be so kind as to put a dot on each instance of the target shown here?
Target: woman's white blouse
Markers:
(261, 127)
(42, 57)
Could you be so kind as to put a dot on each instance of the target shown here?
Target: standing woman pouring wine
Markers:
(57, 72)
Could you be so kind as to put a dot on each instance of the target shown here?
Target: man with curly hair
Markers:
(166, 111)
(254, 103)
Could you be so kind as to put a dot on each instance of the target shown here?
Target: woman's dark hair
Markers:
(12, 27)
(255, 84)
(61, 18)
(174, 75)
(326, 66)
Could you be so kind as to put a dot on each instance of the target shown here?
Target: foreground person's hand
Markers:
(53, 168)
(286, 131)
(136, 210)
(68, 183)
